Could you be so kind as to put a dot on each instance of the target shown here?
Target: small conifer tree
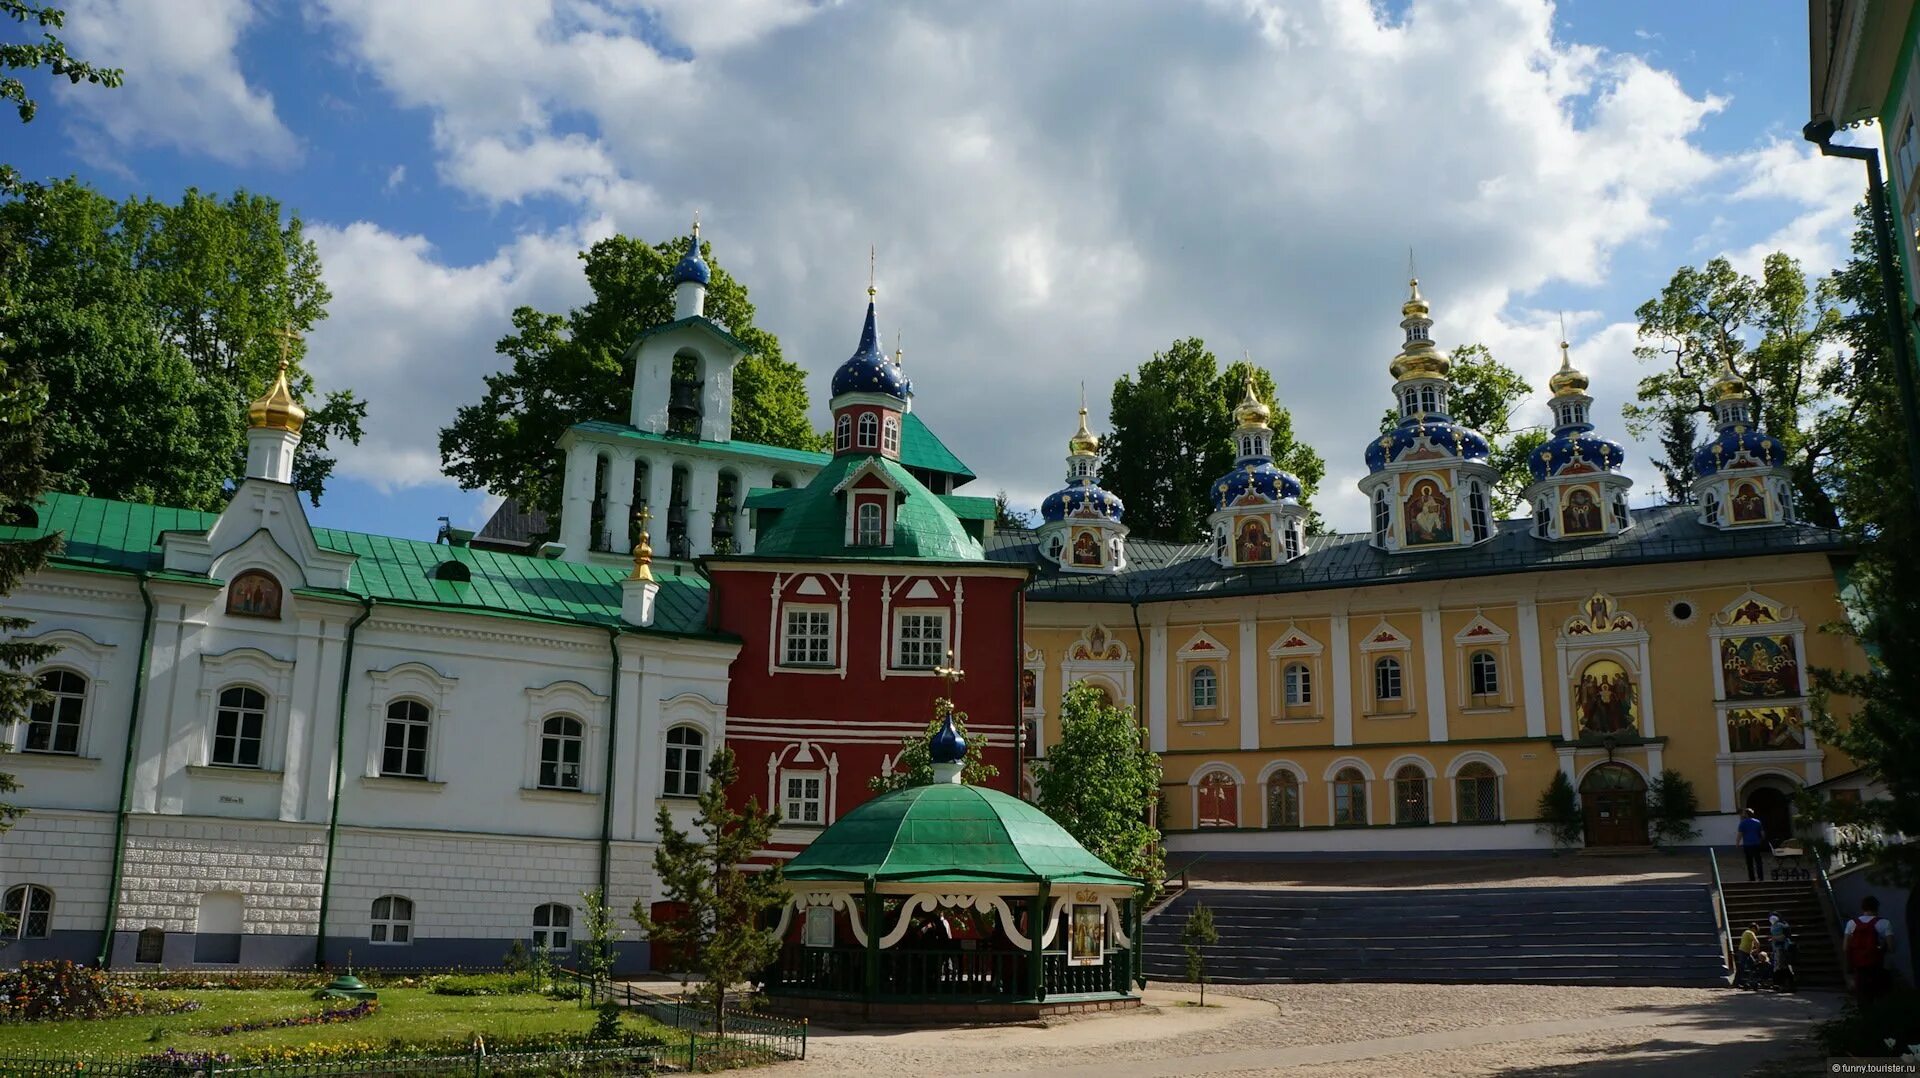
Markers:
(1672, 804)
(1558, 812)
(1199, 932)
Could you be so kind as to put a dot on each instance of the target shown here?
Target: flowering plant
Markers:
(362, 1009)
(46, 991)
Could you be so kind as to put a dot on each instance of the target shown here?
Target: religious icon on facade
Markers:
(1256, 543)
(1749, 503)
(1087, 942)
(1029, 689)
(819, 926)
(1760, 666)
(1581, 514)
(254, 594)
(1429, 515)
(1770, 729)
(1603, 700)
(1086, 549)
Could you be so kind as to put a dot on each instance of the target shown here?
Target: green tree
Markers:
(570, 368)
(719, 933)
(155, 324)
(597, 955)
(914, 765)
(1006, 517)
(1484, 396)
(1196, 934)
(1558, 812)
(1173, 436)
(1774, 333)
(1679, 437)
(1671, 808)
(1101, 782)
(50, 53)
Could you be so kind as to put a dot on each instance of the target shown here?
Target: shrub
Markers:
(1672, 805)
(49, 991)
(480, 984)
(363, 1009)
(1558, 812)
(1890, 1026)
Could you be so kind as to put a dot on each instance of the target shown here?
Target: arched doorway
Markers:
(1614, 797)
(1774, 807)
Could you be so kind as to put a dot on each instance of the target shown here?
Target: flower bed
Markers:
(362, 1009)
(57, 990)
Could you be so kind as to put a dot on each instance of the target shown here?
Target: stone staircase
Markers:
(1653, 934)
(1817, 961)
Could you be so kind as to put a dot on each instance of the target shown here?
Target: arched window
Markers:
(1382, 516)
(1218, 800)
(843, 432)
(1206, 688)
(1283, 800)
(869, 526)
(1483, 678)
(1349, 798)
(890, 435)
(53, 725)
(869, 431)
(1386, 680)
(1478, 518)
(552, 927)
(29, 909)
(1297, 682)
(1292, 538)
(1621, 518)
(1542, 517)
(403, 753)
(239, 727)
(1429, 398)
(1476, 793)
(1410, 403)
(1410, 795)
(560, 750)
(1713, 507)
(392, 920)
(686, 749)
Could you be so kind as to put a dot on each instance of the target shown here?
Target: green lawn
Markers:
(410, 1014)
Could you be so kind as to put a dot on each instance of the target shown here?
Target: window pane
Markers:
(378, 934)
(402, 934)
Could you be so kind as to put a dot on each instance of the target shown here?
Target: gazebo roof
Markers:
(950, 833)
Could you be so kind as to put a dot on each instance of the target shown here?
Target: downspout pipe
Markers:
(606, 786)
(1019, 694)
(126, 779)
(339, 775)
(1820, 132)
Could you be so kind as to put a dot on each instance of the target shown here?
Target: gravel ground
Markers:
(1371, 1030)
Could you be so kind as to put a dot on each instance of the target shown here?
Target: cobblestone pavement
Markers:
(1370, 1030)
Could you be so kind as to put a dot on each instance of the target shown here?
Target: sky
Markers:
(1054, 190)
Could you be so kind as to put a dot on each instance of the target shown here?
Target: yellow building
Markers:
(1416, 686)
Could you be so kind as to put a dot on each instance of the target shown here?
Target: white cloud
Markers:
(1821, 191)
(1056, 192)
(184, 88)
(395, 177)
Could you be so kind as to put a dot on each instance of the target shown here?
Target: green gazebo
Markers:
(953, 902)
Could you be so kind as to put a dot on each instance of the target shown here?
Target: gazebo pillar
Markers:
(1036, 938)
(874, 931)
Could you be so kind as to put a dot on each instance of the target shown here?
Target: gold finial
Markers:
(1729, 384)
(1083, 443)
(949, 673)
(642, 548)
(1568, 381)
(872, 263)
(276, 409)
(898, 352)
(696, 227)
(1251, 411)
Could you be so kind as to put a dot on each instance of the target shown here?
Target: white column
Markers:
(1646, 692)
(703, 489)
(1155, 705)
(1342, 680)
(620, 504)
(716, 405)
(576, 504)
(1249, 687)
(1532, 683)
(1434, 654)
(659, 498)
(643, 675)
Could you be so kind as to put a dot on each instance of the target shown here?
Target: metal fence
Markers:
(749, 1039)
(479, 1063)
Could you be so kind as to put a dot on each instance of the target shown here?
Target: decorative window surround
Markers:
(1195, 780)
(802, 658)
(920, 589)
(1385, 641)
(1366, 774)
(565, 698)
(255, 669)
(1578, 645)
(1295, 645)
(1267, 775)
(809, 586)
(412, 680)
(801, 793)
(1202, 649)
(85, 656)
(1482, 635)
(1098, 657)
(809, 758)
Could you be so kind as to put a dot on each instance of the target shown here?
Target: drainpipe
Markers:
(126, 779)
(1820, 132)
(606, 788)
(1019, 697)
(1139, 664)
(339, 774)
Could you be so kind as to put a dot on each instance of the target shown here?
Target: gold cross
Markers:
(872, 261)
(287, 337)
(949, 673)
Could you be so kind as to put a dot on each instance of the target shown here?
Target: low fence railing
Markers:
(478, 1062)
(743, 1037)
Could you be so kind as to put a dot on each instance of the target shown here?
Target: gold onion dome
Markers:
(1729, 384)
(1418, 357)
(1251, 412)
(1083, 443)
(1568, 381)
(276, 409)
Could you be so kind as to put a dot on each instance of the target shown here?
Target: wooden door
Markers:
(1615, 799)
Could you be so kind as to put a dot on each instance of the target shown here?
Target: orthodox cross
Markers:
(950, 674)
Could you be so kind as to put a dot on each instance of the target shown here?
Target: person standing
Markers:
(1780, 942)
(1869, 939)
(1752, 838)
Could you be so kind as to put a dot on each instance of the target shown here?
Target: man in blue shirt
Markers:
(1753, 843)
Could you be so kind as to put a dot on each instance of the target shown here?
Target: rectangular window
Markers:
(805, 800)
(237, 736)
(920, 640)
(807, 638)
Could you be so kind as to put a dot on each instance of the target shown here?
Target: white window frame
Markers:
(890, 435)
(1295, 647)
(789, 818)
(670, 767)
(382, 930)
(573, 699)
(788, 638)
(1383, 641)
(869, 524)
(561, 739)
(424, 724)
(1382, 516)
(867, 432)
(255, 669)
(843, 432)
(898, 652)
(420, 682)
(544, 934)
(1382, 673)
(82, 655)
(1296, 691)
(1425, 783)
(1204, 694)
(214, 737)
(56, 704)
(22, 911)
(1475, 691)
(1479, 512)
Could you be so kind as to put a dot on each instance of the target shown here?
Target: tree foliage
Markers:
(570, 368)
(1679, 437)
(1100, 783)
(1558, 812)
(1671, 808)
(719, 932)
(914, 765)
(1484, 397)
(1006, 517)
(155, 324)
(1774, 332)
(1198, 933)
(1173, 436)
(49, 53)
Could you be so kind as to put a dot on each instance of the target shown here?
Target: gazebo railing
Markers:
(818, 971)
(1065, 980)
(955, 974)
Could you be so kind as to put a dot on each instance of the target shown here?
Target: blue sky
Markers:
(1055, 190)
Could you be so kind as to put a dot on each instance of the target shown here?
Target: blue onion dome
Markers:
(1259, 483)
(869, 370)
(1576, 447)
(1423, 435)
(946, 746)
(1740, 442)
(1081, 498)
(692, 268)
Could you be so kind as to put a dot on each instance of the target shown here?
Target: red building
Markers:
(861, 584)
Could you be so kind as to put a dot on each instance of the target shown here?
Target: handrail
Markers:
(1722, 919)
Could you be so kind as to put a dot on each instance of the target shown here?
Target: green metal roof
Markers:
(968, 507)
(813, 521)
(921, 448)
(950, 833)
(771, 497)
(125, 536)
